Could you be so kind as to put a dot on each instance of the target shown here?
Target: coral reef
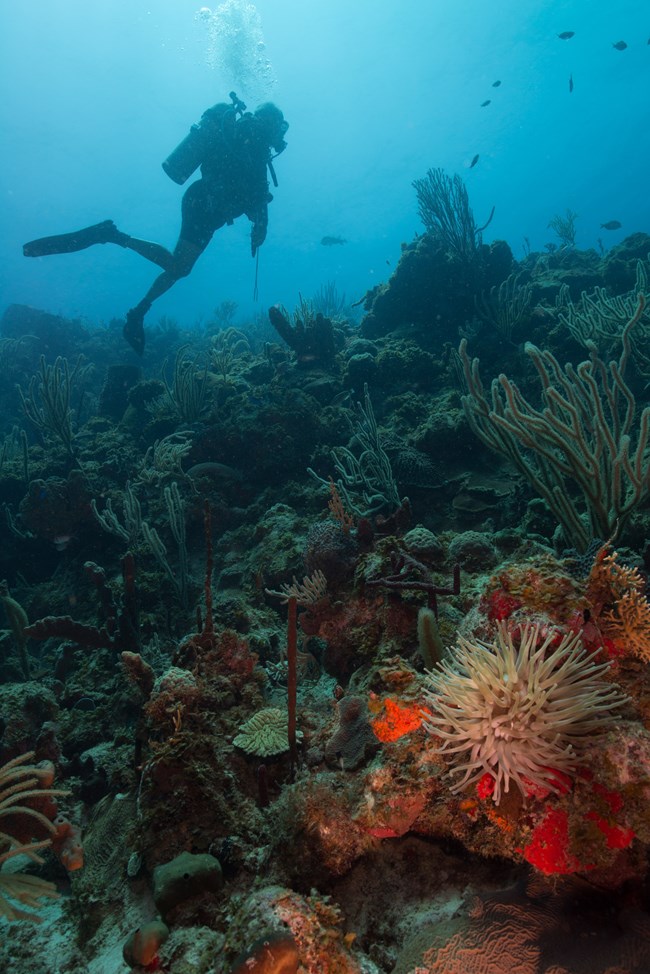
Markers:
(324, 689)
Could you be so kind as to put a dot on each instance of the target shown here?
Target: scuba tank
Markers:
(186, 157)
(217, 123)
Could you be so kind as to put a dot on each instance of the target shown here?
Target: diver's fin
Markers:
(66, 243)
(133, 330)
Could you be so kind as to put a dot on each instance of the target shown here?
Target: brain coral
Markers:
(265, 733)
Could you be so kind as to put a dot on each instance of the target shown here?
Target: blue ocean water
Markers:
(97, 95)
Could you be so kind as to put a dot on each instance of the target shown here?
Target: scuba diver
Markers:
(234, 148)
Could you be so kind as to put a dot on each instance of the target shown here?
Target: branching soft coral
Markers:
(628, 623)
(616, 593)
(21, 786)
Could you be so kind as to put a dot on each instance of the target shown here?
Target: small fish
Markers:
(566, 35)
(333, 241)
(473, 162)
(570, 83)
(620, 45)
(342, 398)
(484, 104)
(540, 312)
(495, 84)
(611, 225)
(62, 541)
(218, 472)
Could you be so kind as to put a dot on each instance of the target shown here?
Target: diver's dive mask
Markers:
(280, 145)
(275, 125)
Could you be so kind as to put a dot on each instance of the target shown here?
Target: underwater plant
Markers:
(443, 205)
(187, 390)
(565, 227)
(582, 434)
(506, 306)
(48, 401)
(366, 481)
(329, 301)
(600, 318)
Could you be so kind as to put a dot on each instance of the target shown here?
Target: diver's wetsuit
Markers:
(233, 183)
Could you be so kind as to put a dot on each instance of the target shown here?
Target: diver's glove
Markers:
(258, 236)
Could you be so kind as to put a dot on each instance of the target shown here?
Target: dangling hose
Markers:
(257, 267)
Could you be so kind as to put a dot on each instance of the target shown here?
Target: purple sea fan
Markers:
(523, 709)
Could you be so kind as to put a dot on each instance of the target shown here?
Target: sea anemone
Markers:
(521, 713)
